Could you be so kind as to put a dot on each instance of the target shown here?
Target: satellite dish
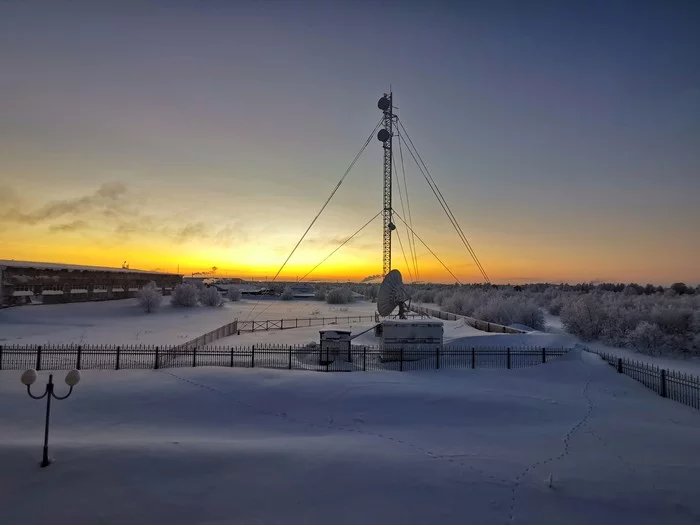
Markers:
(384, 103)
(392, 294)
(383, 135)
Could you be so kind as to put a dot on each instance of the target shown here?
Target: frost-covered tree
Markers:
(210, 296)
(340, 295)
(287, 294)
(584, 317)
(234, 294)
(184, 294)
(149, 297)
(647, 337)
(320, 294)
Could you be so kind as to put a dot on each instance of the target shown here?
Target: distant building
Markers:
(24, 282)
(303, 290)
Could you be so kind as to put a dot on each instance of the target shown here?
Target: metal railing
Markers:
(484, 326)
(675, 385)
(297, 357)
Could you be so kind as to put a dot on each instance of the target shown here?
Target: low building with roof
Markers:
(27, 282)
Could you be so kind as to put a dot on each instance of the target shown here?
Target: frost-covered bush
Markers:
(340, 295)
(149, 297)
(372, 292)
(511, 310)
(234, 294)
(184, 294)
(320, 294)
(424, 296)
(585, 317)
(647, 337)
(210, 296)
(287, 294)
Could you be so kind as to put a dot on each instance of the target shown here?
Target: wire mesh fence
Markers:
(292, 357)
(675, 385)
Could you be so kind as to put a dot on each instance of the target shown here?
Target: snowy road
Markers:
(218, 445)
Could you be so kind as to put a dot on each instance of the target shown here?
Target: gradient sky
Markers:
(564, 135)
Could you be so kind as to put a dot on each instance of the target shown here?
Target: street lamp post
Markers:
(29, 378)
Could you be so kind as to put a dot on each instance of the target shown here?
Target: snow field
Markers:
(220, 445)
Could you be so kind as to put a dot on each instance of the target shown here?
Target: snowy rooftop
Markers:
(71, 267)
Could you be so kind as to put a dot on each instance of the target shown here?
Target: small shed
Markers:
(335, 344)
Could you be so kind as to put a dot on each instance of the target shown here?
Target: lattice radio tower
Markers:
(385, 136)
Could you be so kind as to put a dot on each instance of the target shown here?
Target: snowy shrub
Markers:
(320, 294)
(234, 293)
(555, 305)
(341, 295)
(149, 297)
(184, 295)
(210, 296)
(584, 317)
(372, 292)
(287, 294)
(511, 310)
(647, 337)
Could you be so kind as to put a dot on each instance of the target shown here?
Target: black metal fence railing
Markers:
(297, 357)
(678, 386)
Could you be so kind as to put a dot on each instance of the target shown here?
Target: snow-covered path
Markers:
(220, 445)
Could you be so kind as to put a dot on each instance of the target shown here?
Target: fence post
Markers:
(508, 358)
(488, 327)
(473, 358)
(296, 323)
(80, 353)
(194, 357)
(0, 357)
(290, 357)
(38, 358)
(281, 324)
(252, 356)
(156, 363)
(437, 358)
(267, 325)
(401, 360)
(663, 382)
(544, 355)
(119, 348)
(364, 358)
(231, 357)
(619, 365)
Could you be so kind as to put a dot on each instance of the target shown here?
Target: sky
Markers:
(187, 135)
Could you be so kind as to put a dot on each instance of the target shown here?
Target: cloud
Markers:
(108, 197)
(196, 230)
(114, 208)
(69, 226)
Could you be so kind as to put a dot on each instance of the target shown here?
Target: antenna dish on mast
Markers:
(383, 135)
(384, 103)
(392, 293)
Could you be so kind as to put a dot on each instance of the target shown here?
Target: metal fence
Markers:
(299, 357)
(484, 326)
(283, 324)
(684, 388)
(236, 326)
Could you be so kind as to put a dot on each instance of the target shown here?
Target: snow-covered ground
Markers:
(123, 322)
(218, 445)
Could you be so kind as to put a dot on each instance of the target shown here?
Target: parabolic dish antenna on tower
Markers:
(392, 294)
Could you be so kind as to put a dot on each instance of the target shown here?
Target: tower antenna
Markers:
(385, 136)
